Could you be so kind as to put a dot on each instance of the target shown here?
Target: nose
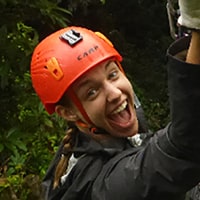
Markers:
(113, 93)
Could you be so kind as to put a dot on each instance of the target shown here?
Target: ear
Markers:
(66, 113)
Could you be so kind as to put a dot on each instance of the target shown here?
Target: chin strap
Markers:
(96, 131)
(78, 104)
(92, 129)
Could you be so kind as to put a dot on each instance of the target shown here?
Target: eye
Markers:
(92, 93)
(113, 74)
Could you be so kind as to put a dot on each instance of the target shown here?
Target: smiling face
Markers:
(107, 97)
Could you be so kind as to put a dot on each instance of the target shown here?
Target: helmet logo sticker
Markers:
(71, 37)
(54, 68)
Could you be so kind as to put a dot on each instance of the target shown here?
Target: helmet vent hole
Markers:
(55, 71)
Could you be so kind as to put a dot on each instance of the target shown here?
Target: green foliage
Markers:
(12, 141)
(27, 131)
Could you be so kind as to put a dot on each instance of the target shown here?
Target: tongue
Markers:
(121, 117)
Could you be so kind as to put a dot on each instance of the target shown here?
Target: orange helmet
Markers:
(63, 57)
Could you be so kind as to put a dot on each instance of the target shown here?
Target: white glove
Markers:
(189, 13)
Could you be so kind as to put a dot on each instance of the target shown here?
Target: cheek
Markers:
(95, 109)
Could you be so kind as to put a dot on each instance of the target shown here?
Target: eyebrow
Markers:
(83, 82)
(107, 64)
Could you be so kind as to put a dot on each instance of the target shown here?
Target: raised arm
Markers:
(190, 18)
(193, 55)
(184, 83)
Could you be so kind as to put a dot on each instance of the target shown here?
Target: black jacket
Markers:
(165, 166)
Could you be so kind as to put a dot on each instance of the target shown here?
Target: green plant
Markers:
(26, 129)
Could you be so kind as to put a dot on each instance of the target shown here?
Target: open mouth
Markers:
(121, 116)
(121, 108)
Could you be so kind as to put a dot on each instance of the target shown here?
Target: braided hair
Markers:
(68, 144)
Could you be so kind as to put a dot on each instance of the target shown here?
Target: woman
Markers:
(77, 74)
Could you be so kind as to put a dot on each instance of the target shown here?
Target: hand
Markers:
(189, 13)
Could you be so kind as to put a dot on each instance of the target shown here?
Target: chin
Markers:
(133, 131)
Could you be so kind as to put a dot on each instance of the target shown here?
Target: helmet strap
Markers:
(78, 104)
(92, 129)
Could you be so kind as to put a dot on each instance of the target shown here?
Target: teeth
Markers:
(122, 107)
